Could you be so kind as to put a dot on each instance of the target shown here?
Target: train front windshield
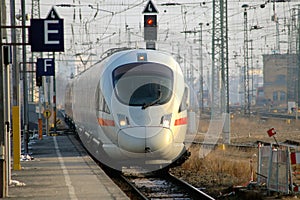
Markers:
(143, 84)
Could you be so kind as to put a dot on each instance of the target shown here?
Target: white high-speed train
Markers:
(130, 110)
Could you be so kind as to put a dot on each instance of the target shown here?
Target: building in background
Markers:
(280, 79)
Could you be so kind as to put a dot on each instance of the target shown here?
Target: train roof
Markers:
(111, 52)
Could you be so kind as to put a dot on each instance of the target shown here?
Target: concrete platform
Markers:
(61, 169)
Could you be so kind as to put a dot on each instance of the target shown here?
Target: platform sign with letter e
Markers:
(45, 67)
(47, 35)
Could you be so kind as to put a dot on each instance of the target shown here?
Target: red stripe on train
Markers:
(181, 121)
(106, 122)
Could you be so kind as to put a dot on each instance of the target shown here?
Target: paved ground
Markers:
(62, 170)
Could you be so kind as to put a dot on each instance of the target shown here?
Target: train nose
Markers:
(144, 139)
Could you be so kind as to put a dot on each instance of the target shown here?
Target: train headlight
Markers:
(123, 120)
(166, 120)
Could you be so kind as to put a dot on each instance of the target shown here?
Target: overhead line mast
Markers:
(35, 9)
(220, 89)
(36, 14)
(246, 65)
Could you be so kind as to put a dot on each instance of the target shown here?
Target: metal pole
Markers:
(54, 96)
(191, 69)
(298, 67)
(48, 103)
(35, 9)
(252, 74)
(16, 117)
(16, 69)
(7, 122)
(40, 120)
(201, 68)
(246, 64)
(25, 89)
(2, 110)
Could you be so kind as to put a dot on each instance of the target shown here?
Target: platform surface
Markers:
(61, 169)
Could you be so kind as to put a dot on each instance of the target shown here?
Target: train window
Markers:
(183, 106)
(143, 84)
(101, 104)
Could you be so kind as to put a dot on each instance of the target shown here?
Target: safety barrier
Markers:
(279, 168)
(278, 174)
(264, 154)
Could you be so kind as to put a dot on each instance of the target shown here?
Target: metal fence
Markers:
(278, 176)
(274, 168)
(264, 154)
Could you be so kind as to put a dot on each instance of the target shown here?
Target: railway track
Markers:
(162, 186)
(165, 186)
(277, 115)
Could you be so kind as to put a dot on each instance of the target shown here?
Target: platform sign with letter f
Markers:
(45, 67)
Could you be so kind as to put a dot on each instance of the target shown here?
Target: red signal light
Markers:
(150, 21)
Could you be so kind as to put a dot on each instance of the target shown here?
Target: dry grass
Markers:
(224, 167)
(234, 162)
(256, 128)
(249, 130)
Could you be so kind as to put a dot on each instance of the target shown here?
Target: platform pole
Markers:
(3, 184)
(54, 98)
(16, 137)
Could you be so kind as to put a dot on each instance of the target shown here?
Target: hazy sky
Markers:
(93, 26)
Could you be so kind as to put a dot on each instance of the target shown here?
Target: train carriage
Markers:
(130, 109)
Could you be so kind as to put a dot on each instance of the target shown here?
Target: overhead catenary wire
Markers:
(92, 21)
